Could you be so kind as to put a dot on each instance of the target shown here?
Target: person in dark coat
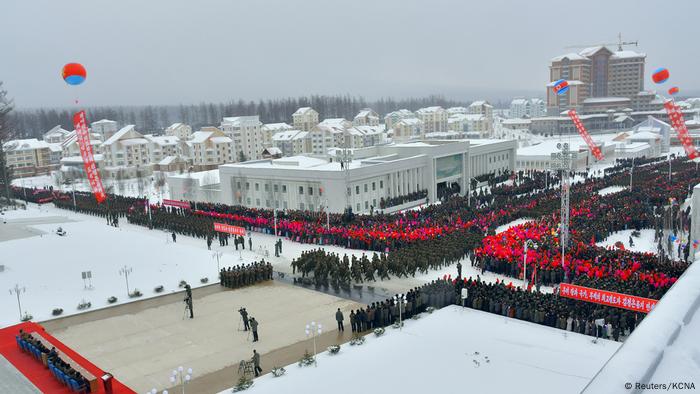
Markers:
(250, 243)
(188, 300)
(254, 328)
(256, 363)
(459, 269)
(339, 319)
(174, 237)
(244, 316)
(353, 321)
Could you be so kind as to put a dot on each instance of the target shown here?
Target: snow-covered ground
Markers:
(610, 190)
(126, 187)
(452, 350)
(645, 242)
(514, 223)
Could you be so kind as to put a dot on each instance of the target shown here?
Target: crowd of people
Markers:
(394, 201)
(245, 274)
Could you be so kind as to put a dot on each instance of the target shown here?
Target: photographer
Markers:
(244, 316)
(188, 300)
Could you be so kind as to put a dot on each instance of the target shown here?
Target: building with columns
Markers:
(370, 175)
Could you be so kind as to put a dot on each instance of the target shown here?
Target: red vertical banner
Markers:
(584, 133)
(83, 135)
(676, 117)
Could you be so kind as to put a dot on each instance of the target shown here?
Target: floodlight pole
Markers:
(17, 291)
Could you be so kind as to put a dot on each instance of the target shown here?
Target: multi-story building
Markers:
(472, 125)
(423, 169)
(161, 147)
(305, 119)
(434, 119)
(246, 133)
(595, 72)
(293, 142)
(269, 129)
(365, 136)
(28, 157)
(104, 128)
(70, 148)
(457, 110)
(366, 117)
(209, 148)
(336, 128)
(392, 118)
(407, 129)
(56, 135)
(180, 130)
(521, 108)
(126, 152)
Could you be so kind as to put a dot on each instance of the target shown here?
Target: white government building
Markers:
(386, 171)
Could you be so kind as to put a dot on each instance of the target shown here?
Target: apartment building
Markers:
(28, 157)
(246, 133)
(180, 130)
(305, 119)
(366, 117)
(209, 148)
(434, 119)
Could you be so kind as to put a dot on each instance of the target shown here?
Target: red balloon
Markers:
(673, 90)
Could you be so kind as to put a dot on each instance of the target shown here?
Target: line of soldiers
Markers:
(436, 294)
(245, 275)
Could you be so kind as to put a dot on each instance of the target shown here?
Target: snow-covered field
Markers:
(610, 190)
(645, 242)
(452, 350)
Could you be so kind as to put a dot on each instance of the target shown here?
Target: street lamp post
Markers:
(563, 161)
(532, 244)
(400, 300)
(312, 330)
(217, 255)
(17, 291)
(180, 377)
(125, 271)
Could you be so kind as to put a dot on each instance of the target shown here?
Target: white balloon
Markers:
(180, 368)
(189, 371)
(187, 378)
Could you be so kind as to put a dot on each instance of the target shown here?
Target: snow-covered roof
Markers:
(57, 130)
(520, 101)
(221, 140)
(367, 112)
(480, 103)
(410, 122)
(103, 121)
(516, 121)
(368, 130)
(134, 141)
(168, 160)
(570, 56)
(457, 110)
(303, 110)
(200, 136)
(627, 54)
(79, 160)
(277, 126)
(167, 140)
(27, 144)
(236, 121)
(338, 123)
(289, 135)
(429, 110)
(55, 147)
(273, 150)
(401, 113)
(119, 134)
(644, 135)
(603, 100)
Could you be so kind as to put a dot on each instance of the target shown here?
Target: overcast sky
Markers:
(173, 51)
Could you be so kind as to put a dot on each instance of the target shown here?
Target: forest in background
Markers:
(33, 123)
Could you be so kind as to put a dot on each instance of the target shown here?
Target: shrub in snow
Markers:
(112, 299)
(357, 341)
(244, 383)
(278, 371)
(204, 280)
(306, 360)
(430, 309)
(135, 294)
(84, 305)
(379, 331)
(158, 289)
(57, 311)
(27, 317)
(334, 349)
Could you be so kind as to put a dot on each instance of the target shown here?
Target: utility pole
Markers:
(563, 161)
(126, 271)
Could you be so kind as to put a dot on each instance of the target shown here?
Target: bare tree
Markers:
(5, 135)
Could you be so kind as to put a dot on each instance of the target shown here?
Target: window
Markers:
(247, 187)
(357, 190)
(247, 200)
(348, 191)
(374, 186)
(277, 204)
(311, 191)
(257, 202)
(257, 187)
(275, 188)
(301, 206)
(358, 207)
(366, 204)
(238, 185)
(284, 190)
(267, 187)
(301, 189)
(381, 184)
(374, 202)
(365, 188)
(267, 203)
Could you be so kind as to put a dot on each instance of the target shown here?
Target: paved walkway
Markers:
(12, 380)
(142, 348)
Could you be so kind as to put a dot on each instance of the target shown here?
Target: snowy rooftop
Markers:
(276, 126)
(516, 121)
(479, 103)
(570, 56)
(200, 136)
(163, 140)
(430, 110)
(601, 100)
(449, 351)
(28, 144)
(103, 121)
(119, 134)
(466, 118)
(457, 110)
(549, 146)
(402, 113)
(410, 121)
(289, 135)
(303, 111)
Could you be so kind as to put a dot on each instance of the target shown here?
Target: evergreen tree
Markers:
(5, 135)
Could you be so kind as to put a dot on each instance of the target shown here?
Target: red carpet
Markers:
(35, 371)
